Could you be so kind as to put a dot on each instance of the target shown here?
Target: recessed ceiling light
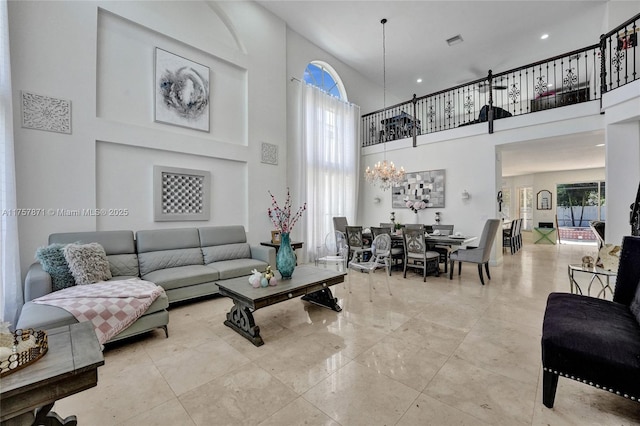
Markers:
(544, 36)
(600, 144)
(419, 80)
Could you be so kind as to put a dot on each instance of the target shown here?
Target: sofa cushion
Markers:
(158, 260)
(167, 239)
(592, 338)
(113, 242)
(237, 267)
(182, 276)
(123, 265)
(88, 262)
(53, 262)
(222, 235)
(226, 252)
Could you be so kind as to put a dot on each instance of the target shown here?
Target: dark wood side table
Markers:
(294, 245)
(69, 366)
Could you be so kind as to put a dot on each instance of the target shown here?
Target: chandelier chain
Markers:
(384, 174)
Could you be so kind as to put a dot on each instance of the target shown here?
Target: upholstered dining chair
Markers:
(416, 255)
(510, 237)
(340, 224)
(443, 251)
(379, 257)
(355, 242)
(480, 254)
(397, 250)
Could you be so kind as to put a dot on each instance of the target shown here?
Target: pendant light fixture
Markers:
(385, 175)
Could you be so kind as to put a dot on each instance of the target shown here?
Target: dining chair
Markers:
(340, 224)
(416, 254)
(519, 234)
(387, 225)
(509, 236)
(333, 251)
(479, 254)
(355, 241)
(397, 250)
(379, 257)
(443, 250)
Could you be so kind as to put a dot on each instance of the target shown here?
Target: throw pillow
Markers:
(53, 262)
(635, 304)
(88, 262)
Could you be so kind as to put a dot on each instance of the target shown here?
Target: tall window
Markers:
(324, 77)
(329, 153)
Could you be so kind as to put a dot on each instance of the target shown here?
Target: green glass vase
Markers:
(286, 258)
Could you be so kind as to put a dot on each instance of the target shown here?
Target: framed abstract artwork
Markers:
(181, 91)
(181, 194)
(425, 186)
(45, 113)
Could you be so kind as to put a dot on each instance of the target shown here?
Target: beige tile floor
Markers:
(436, 353)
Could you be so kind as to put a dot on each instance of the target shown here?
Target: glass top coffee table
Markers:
(307, 281)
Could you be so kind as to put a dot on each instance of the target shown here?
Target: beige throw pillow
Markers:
(88, 262)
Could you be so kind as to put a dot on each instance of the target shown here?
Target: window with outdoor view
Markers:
(578, 204)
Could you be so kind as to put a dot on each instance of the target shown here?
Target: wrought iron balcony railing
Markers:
(579, 76)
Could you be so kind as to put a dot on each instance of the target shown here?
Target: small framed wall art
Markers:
(181, 91)
(275, 237)
(181, 194)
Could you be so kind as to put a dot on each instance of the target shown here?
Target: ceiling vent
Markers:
(455, 40)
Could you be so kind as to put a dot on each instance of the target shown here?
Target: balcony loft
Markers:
(580, 76)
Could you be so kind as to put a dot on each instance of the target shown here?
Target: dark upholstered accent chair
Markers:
(596, 341)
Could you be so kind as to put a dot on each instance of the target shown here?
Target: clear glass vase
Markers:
(286, 258)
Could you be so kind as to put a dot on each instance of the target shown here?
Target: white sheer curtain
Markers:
(327, 161)
(10, 281)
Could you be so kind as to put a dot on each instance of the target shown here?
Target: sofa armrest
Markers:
(264, 253)
(37, 283)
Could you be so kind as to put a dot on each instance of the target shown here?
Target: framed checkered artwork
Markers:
(420, 186)
(181, 194)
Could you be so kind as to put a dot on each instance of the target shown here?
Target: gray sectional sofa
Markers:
(186, 262)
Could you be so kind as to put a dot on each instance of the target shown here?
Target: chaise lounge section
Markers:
(123, 261)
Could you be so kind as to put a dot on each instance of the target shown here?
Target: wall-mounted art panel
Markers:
(45, 113)
(181, 194)
(425, 186)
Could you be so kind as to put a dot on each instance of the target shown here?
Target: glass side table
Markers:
(597, 274)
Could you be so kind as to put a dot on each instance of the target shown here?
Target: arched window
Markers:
(323, 76)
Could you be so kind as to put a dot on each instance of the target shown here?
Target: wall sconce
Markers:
(376, 200)
(465, 195)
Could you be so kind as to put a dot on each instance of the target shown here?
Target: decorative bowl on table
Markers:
(21, 348)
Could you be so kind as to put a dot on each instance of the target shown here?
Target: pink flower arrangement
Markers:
(415, 206)
(281, 216)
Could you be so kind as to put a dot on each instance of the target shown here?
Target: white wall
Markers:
(99, 55)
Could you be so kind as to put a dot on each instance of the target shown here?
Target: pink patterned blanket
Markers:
(111, 306)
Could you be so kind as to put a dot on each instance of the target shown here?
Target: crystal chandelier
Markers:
(384, 174)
